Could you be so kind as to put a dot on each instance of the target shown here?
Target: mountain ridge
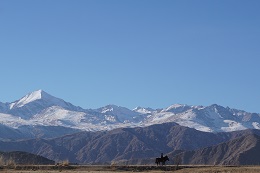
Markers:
(39, 108)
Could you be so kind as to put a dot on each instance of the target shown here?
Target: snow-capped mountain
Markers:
(120, 114)
(141, 110)
(41, 109)
(38, 95)
(213, 118)
(36, 102)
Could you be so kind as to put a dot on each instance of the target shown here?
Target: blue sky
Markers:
(132, 53)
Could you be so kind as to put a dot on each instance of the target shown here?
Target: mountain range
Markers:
(44, 125)
(38, 112)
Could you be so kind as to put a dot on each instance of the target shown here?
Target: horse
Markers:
(161, 159)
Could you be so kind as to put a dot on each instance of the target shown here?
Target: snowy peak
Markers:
(216, 107)
(109, 108)
(177, 108)
(36, 95)
(33, 96)
(35, 102)
(114, 109)
(122, 114)
(142, 110)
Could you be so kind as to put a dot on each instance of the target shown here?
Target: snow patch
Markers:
(143, 110)
(233, 126)
(256, 125)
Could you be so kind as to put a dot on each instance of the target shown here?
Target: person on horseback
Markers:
(162, 159)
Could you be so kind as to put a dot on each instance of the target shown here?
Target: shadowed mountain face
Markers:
(244, 150)
(23, 158)
(123, 144)
(9, 133)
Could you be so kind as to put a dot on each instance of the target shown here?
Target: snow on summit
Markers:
(40, 108)
(36, 95)
(44, 99)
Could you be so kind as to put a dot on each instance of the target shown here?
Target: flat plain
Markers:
(151, 169)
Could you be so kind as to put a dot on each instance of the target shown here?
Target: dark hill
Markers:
(243, 150)
(23, 158)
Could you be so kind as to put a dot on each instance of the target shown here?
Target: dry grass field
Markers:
(120, 169)
(252, 169)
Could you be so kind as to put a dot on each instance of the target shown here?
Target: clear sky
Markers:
(149, 53)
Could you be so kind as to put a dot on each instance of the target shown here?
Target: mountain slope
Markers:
(244, 150)
(9, 133)
(121, 144)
